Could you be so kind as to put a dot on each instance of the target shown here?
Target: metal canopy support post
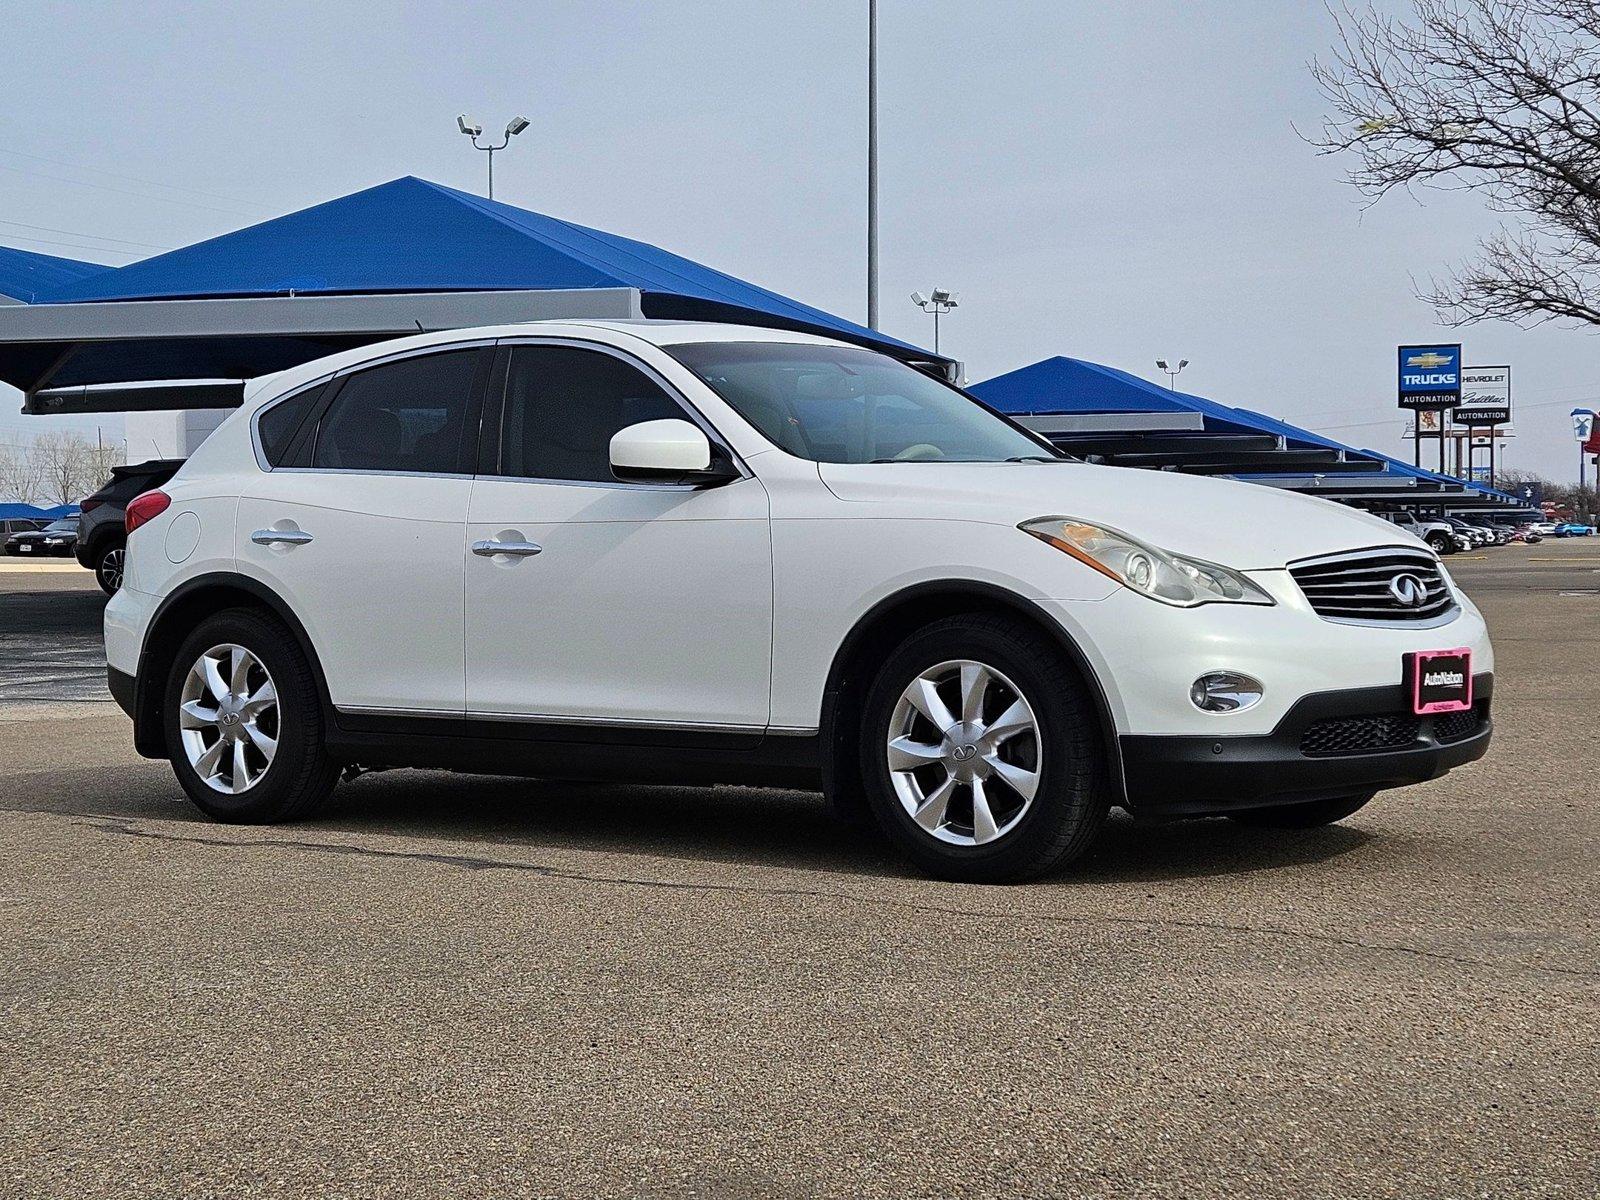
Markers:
(872, 164)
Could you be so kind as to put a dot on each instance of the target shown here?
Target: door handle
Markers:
(488, 549)
(280, 537)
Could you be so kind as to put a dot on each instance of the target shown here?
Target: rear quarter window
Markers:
(277, 426)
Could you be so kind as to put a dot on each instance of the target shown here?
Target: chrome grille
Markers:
(1362, 586)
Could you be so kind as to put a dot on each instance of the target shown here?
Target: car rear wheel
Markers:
(108, 569)
(1308, 815)
(981, 754)
(243, 721)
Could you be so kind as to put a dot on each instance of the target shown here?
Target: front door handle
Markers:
(280, 537)
(488, 549)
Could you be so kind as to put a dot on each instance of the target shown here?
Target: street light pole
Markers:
(939, 302)
(872, 164)
(1172, 372)
(474, 131)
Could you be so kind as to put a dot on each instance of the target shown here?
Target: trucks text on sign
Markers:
(1430, 376)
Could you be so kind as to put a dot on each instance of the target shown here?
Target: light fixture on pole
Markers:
(474, 131)
(1172, 372)
(939, 303)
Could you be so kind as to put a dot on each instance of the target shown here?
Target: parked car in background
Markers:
(103, 534)
(1528, 533)
(1442, 537)
(702, 553)
(1476, 534)
(55, 539)
(1573, 529)
(1543, 528)
(12, 526)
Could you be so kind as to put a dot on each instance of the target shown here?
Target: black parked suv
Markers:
(102, 536)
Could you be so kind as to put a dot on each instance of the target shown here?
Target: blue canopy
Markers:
(411, 235)
(1075, 385)
(26, 275)
(1072, 385)
(11, 511)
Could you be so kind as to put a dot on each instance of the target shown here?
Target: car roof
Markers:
(656, 333)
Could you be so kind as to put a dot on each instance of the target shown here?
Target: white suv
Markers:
(716, 554)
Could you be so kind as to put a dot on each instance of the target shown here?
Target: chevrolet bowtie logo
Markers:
(1428, 361)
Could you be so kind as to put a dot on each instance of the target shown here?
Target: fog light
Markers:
(1224, 692)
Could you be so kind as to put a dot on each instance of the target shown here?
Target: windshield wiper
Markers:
(1037, 458)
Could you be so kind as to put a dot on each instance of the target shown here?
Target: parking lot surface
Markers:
(455, 986)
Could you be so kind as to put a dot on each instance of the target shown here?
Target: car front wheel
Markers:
(243, 721)
(1441, 544)
(981, 752)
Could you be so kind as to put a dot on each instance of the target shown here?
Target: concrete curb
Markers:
(12, 566)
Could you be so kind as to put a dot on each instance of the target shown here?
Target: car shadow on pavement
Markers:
(730, 825)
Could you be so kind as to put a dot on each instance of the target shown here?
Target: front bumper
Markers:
(1329, 744)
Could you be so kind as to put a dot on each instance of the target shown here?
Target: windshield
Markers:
(842, 404)
(64, 525)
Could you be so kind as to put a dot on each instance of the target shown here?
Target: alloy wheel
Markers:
(964, 753)
(228, 718)
(111, 569)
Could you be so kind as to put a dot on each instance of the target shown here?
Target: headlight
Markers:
(1159, 574)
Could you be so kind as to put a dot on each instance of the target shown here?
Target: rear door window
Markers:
(416, 415)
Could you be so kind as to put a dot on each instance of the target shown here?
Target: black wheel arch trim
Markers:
(147, 736)
(990, 595)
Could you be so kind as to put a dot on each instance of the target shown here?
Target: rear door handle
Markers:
(488, 549)
(280, 537)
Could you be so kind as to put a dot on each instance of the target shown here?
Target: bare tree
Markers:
(1498, 96)
(20, 475)
(69, 465)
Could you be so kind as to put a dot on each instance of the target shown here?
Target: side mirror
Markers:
(669, 451)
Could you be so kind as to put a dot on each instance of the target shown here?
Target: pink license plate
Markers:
(1440, 680)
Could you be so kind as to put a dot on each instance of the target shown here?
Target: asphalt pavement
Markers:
(454, 986)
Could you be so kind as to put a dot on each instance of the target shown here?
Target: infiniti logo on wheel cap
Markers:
(964, 752)
(1408, 591)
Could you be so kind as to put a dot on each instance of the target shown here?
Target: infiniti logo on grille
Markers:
(1408, 591)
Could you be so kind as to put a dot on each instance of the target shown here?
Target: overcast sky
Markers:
(1113, 182)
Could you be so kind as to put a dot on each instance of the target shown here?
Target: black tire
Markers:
(1308, 815)
(1069, 803)
(108, 567)
(1441, 544)
(299, 777)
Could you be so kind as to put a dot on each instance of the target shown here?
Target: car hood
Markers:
(1241, 525)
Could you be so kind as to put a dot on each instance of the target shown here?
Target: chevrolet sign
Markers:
(1430, 376)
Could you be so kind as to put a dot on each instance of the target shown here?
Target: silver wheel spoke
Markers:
(924, 697)
(241, 772)
(907, 755)
(215, 683)
(974, 687)
(1023, 781)
(267, 745)
(195, 715)
(931, 813)
(239, 671)
(983, 826)
(1016, 719)
(264, 697)
(206, 765)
